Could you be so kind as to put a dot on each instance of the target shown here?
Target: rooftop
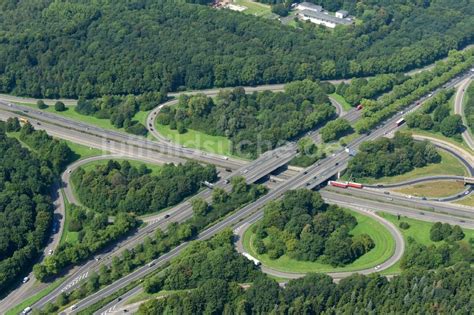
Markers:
(343, 12)
(325, 17)
(312, 6)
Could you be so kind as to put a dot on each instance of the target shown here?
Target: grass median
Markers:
(433, 189)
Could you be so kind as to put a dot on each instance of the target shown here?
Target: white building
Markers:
(322, 18)
(341, 14)
(309, 6)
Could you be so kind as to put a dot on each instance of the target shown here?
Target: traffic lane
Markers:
(417, 180)
(428, 205)
(123, 137)
(411, 212)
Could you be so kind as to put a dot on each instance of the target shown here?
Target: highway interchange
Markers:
(163, 151)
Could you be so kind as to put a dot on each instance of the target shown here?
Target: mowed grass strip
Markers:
(449, 165)
(68, 236)
(197, 140)
(383, 250)
(442, 188)
(468, 201)
(341, 100)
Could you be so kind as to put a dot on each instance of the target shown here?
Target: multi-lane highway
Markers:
(311, 177)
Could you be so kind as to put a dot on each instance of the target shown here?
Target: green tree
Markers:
(41, 105)
(59, 106)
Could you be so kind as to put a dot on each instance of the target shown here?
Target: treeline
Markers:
(162, 241)
(94, 233)
(390, 157)
(444, 231)
(308, 153)
(217, 282)
(120, 110)
(469, 107)
(303, 227)
(336, 129)
(90, 49)
(54, 152)
(360, 88)
(254, 122)
(435, 114)
(410, 91)
(26, 209)
(436, 256)
(120, 187)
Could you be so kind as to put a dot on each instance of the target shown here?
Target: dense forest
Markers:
(435, 114)
(119, 187)
(217, 282)
(94, 48)
(26, 209)
(390, 157)
(303, 227)
(254, 122)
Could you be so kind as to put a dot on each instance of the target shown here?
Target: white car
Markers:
(26, 279)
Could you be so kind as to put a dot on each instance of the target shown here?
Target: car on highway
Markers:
(26, 310)
(167, 216)
(26, 279)
(151, 264)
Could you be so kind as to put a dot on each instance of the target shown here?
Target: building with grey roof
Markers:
(323, 18)
(309, 6)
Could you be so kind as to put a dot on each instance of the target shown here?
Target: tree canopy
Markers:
(303, 227)
(93, 48)
(389, 157)
(254, 122)
(120, 187)
(26, 209)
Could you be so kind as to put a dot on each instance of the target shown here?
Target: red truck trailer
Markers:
(337, 184)
(355, 185)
